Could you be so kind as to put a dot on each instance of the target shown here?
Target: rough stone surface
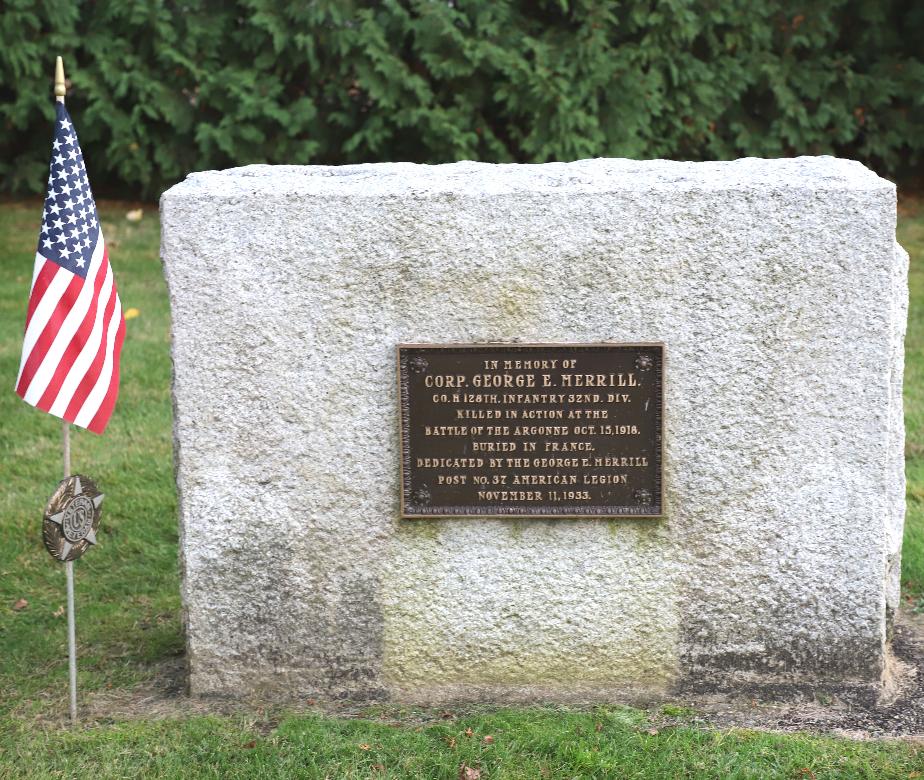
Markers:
(780, 293)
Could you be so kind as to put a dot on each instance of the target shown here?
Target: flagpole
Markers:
(60, 91)
(69, 571)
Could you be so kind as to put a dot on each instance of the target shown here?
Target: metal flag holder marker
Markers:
(72, 517)
(71, 521)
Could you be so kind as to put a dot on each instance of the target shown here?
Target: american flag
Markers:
(74, 323)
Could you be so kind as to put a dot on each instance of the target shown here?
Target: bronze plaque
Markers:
(531, 430)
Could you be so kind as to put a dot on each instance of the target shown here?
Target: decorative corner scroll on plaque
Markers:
(531, 430)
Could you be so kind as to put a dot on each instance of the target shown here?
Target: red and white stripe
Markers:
(73, 339)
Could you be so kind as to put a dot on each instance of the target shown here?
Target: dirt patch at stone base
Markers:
(898, 713)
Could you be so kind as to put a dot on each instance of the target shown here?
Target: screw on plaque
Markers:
(72, 518)
(421, 495)
(418, 364)
(644, 362)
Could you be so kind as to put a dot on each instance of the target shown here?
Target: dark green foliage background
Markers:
(162, 88)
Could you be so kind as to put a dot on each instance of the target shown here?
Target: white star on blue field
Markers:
(70, 227)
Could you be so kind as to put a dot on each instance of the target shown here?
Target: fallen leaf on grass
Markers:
(653, 732)
(251, 744)
(469, 773)
(364, 746)
(59, 611)
(489, 740)
(451, 741)
(131, 313)
(135, 215)
(598, 727)
(447, 715)
(21, 604)
(806, 772)
(468, 732)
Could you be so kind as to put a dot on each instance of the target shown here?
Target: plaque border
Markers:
(472, 512)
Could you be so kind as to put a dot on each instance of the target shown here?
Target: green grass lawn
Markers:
(129, 608)
(911, 236)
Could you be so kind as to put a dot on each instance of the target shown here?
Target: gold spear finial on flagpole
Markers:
(60, 87)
